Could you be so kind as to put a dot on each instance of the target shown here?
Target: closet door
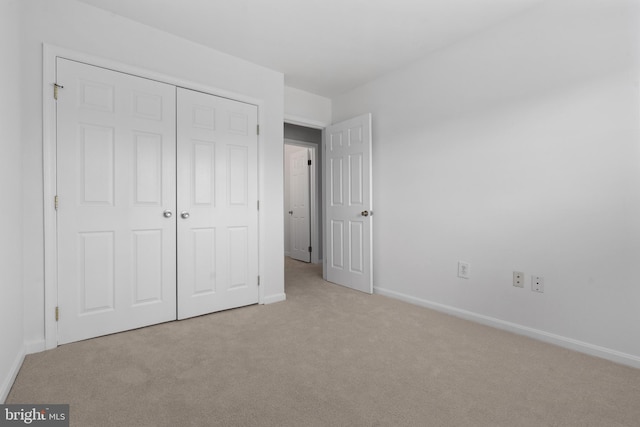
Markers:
(116, 191)
(217, 204)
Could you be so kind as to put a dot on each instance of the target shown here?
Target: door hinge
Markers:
(56, 86)
(309, 248)
(258, 280)
(55, 202)
(257, 129)
(309, 162)
(258, 204)
(57, 314)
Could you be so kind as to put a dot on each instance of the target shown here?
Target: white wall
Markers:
(11, 312)
(304, 108)
(517, 148)
(80, 27)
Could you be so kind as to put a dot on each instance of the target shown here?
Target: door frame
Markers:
(314, 207)
(314, 124)
(49, 166)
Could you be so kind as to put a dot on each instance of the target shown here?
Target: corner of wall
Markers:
(5, 388)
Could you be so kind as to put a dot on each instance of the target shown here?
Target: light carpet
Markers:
(328, 356)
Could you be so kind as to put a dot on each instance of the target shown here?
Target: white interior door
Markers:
(115, 180)
(217, 204)
(349, 204)
(299, 211)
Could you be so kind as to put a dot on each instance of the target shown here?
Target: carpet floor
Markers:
(328, 356)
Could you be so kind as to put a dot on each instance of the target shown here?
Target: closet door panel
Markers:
(217, 204)
(115, 179)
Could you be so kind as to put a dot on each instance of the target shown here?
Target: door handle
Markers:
(167, 213)
(364, 213)
(184, 214)
(290, 212)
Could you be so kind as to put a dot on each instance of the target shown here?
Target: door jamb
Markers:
(49, 55)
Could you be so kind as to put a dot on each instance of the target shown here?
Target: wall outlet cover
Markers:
(464, 269)
(518, 279)
(537, 284)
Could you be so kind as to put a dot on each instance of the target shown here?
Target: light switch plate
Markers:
(464, 269)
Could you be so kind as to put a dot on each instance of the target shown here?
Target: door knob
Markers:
(364, 213)
(184, 214)
(167, 213)
(290, 212)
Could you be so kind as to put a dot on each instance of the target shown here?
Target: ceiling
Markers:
(322, 46)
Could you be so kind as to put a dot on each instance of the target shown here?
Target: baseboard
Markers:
(570, 343)
(34, 347)
(13, 373)
(274, 298)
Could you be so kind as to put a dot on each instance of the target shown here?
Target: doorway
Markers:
(302, 145)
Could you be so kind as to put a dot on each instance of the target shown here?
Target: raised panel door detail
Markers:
(204, 117)
(96, 96)
(335, 141)
(299, 239)
(147, 253)
(115, 176)
(355, 180)
(238, 257)
(97, 165)
(97, 272)
(355, 246)
(337, 238)
(217, 183)
(354, 242)
(204, 255)
(203, 161)
(237, 175)
(238, 123)
(147, 106)
(148, 168)
(337, 197)
(295, 192)
(355, 136)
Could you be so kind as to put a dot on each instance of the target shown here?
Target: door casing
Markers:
(50, 53)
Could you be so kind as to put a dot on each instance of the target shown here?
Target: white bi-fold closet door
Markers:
(157, 192)
(217, 220)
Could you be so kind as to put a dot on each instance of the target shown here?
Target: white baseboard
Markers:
(13, 373)
(570, 343)
(274, 298)
(34, 346)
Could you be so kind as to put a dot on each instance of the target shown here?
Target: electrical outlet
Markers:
(464, 269)
(518, 279)
(537, 284)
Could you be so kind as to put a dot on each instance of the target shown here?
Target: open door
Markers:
(299, 202)
(348, 196)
